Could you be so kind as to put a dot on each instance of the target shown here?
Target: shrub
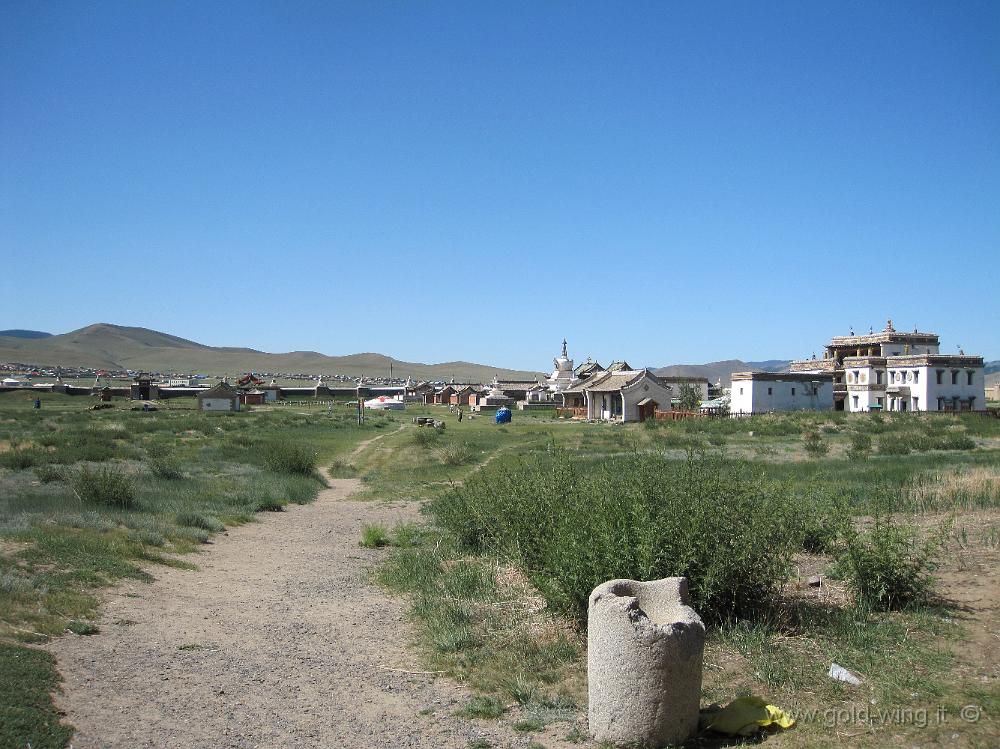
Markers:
(164, 467)
(282, 457)
(717, 440)
(889, 444)
(822, 523)
(487, 708)
(21, 459)
(424, 437)
(268, 504)
(888, 566)
(861, 446)
(814, 444)
(79, 627)
(48, 473)
(374, 537)
(341, 469)
(455, 455)
(106, 485)
(573, 525)
(197, 520)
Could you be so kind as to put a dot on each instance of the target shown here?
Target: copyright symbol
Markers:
(970, 713)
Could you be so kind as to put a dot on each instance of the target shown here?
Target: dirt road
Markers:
(278, 639)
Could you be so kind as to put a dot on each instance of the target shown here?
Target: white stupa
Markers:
(562, 376)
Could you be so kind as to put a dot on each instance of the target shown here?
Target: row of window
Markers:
(913, 376)
(943, 404)
(770, 391)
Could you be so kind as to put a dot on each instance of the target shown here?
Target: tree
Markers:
(690, 397)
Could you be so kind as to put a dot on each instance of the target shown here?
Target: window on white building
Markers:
(916, 375)
(741, 391)
(878, 377)
(969, 374)
(793, 391)
(940, 376)
(854, 400)
(954, 377)
(916, 403)
(770, 391)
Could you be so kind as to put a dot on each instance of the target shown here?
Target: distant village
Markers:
(888, 370)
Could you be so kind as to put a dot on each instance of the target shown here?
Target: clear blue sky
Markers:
(660, 182)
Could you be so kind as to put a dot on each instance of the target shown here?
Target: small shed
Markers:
(252, 397)
(222, 397)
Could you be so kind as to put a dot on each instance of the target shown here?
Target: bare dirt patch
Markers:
(279, 639)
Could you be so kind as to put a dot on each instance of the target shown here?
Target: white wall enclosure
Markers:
(764, 392)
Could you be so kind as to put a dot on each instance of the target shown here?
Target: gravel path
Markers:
(277, 640)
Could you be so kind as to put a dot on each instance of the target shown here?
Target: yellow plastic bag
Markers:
(744, 716)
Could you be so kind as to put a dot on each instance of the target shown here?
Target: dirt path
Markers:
(362, 446)
(277, 640)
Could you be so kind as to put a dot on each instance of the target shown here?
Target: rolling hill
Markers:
(106, 346)
(24, 334)
(721, 370)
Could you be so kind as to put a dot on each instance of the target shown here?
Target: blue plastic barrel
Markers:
(503, 415)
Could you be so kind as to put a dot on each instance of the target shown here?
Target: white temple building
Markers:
(896, 371)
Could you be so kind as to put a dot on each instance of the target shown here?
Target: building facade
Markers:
(894, 371)
(624, 395)
(766, 392)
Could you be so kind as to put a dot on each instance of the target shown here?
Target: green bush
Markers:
(282, 457)
(890, 444)
(21, 459)
(106, 485)
(888, 566)
(814, 444)
(823, 520)
(425, 437)
(573, 525)
(79, 627)
(486, 708)
(197, 520)
(164, 467)
(47, 473)
(861, 446)
(374, 537)
(456, 455)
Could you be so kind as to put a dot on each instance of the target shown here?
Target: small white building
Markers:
(623, 395)
(222, 397)
(764, 392)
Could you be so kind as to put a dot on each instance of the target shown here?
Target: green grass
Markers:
(521, 509)
(484, 708)
(28, 717)
(478, 614)
(90, 497)
(374, 537)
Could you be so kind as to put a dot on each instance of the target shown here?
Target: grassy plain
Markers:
(479, 572)
(500, 574)
(90, 497)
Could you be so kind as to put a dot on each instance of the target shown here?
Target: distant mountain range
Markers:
(721, 370)
(24, 334)
(116, 347)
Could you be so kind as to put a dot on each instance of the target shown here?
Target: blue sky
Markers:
(660, 182)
